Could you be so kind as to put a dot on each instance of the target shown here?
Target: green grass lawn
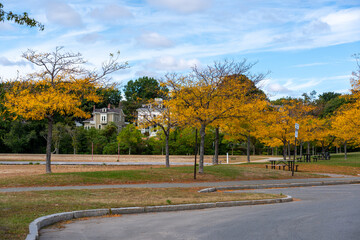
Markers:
(353, 160)
(149, 175)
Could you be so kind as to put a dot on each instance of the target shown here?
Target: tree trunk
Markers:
(202, 148)
(301, 148)
(337, 149)
(276, 152)
(248, 148)
(129, 150)
(345, 149)
(308, 148)
(167, 158)
(289, 151)
(48, 144)
(284, 151)
(216, 150)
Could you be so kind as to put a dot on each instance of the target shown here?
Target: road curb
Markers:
(280, 185)
(44, 221)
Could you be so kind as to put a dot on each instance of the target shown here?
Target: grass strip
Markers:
(337, 165)
(149, 175)
(17, 210)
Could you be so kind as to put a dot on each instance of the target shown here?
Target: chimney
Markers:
(94, 108)
(109, 106)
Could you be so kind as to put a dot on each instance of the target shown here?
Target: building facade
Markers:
(148, 112)
(103, 116)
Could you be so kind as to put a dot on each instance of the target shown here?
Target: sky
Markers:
(305, 45)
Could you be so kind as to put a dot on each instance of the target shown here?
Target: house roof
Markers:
(108, 110)
(89, 120)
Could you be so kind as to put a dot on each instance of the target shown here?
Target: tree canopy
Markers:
(58, 88)
(21, 19)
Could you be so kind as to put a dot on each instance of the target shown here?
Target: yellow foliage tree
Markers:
(58, 88)
(247, 123)
(346, 123)
(279, 123)
(210, 95)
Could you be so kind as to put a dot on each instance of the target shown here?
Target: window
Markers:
(99, 126)
(103, 118)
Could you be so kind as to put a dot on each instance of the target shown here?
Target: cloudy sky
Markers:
(305, 44)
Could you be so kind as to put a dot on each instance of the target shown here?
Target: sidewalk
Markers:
(250, 183)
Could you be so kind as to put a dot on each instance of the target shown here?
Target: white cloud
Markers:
(310, 64)
(146, 73)
(6, 62)
(277, 88)
(182, 6)
(154, 40)
(343, 20)
(63, 14)
(111, 12)
(169, 63)
(6, 26)
(316, 27)
(89, 38)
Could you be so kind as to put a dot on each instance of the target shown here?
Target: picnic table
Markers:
(307, 157)
(282, 164)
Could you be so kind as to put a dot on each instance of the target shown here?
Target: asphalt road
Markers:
(326, 212)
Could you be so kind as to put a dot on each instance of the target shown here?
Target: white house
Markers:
(148, 112)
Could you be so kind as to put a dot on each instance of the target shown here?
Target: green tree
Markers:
(130, 137)
(139, 92)
(96, 141)
(21, 19)
(19, 137)
(328, 103)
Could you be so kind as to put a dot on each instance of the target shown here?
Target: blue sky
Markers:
(305, 44)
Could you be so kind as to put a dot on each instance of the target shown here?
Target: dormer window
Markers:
(103, 109)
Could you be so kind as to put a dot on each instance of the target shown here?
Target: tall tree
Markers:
(21, 19)
(139, 92)
(279, 122)
(247, 123)
(211, 94)
(58, 88)
(346, 123)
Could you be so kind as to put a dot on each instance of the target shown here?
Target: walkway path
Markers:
(115, 163)
(180, 185)
(94, 163)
